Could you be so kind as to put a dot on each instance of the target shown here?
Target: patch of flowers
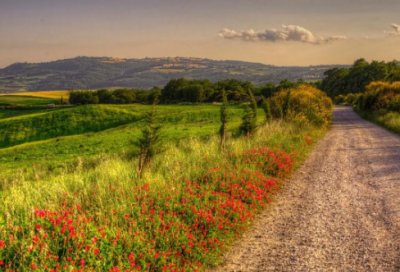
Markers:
(182, 227)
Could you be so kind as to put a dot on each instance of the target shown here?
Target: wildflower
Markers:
(2, 243)
(82, 262)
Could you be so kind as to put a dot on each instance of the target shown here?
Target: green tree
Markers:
(151, 141)
(278, 109)
(286, 107)
(249, 123)
(267, 109)
(253, 103)
(224, 119)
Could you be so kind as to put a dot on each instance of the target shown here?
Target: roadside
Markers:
(339, 212)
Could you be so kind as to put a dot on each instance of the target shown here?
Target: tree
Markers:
(267, 109)
(151, 141)
(286, 108)
(253, 103)
(249, 123)
(268, 90)
(224, 119)
(278, 109)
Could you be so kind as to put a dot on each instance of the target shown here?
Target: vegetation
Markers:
(343, 81)
(307, 104)
(191, 204)
(91, 205)
(380, 103)
(84, 73)
(224, 119)
(15, 100)
(150, 142)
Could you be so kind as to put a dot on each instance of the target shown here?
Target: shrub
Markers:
(306, 104)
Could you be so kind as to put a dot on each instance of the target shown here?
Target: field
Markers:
(25, 100)
(48, 94)
(71, 188)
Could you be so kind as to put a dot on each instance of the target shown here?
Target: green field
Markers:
(52, 138)
(25, 100)
(74, 197)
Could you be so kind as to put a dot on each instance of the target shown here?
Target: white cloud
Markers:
(396, 29)
(288, 33)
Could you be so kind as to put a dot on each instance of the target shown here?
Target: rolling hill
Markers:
(104, 72)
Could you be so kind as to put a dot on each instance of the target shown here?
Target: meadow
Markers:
(87, 210)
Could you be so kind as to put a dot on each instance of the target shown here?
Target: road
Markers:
(339, 212)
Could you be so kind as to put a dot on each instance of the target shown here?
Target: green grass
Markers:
(106, 185)
(180, 122)
(40, 126)
(389, 120)
(25, 100)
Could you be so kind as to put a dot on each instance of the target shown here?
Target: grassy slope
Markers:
(115, 174)
(70, 121)
(25, 100)
(179, 122)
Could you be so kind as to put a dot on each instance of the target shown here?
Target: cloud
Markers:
(396, 30)
(289, 33)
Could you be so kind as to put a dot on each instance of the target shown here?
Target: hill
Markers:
(103, 72)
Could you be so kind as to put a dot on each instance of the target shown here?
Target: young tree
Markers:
(267, 109)
(249, 125)
(286, 107)
(279, 112)
(253, 104)
(224, 119)
(151, 142)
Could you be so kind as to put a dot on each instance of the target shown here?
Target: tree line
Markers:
(343, 81)
(184, 90)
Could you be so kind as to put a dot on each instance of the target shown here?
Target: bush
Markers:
(307, 104)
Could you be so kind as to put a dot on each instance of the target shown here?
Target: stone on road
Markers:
(339, 212)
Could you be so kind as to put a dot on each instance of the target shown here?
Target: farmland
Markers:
(70, 181)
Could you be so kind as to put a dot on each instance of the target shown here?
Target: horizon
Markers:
(189, 57)
(273, 32)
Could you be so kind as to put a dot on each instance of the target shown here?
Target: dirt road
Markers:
(339, 212)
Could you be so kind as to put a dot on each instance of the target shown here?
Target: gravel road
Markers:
(339, 212)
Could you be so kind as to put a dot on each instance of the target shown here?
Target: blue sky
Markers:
(285, 32)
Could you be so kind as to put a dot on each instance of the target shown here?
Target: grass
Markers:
(25, 100)
(47, 94)
(387, 119)
(124, 216)
(75, 202)
(189, 121)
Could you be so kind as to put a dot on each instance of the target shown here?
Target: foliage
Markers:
(249, 122)
(119, 96)
(267, 109)
(286, 106)
(151, 141)
(307, 104)
(343, 81)
(224, 119)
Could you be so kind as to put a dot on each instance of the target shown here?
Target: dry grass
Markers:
(47, 94)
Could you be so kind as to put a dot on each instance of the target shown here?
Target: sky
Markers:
(277, 32)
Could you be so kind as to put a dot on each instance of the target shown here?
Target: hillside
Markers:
(102, 72)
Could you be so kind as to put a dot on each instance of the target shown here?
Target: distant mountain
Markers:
(104, 72)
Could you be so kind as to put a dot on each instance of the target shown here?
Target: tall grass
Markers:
(94, 118)
(111, 189)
